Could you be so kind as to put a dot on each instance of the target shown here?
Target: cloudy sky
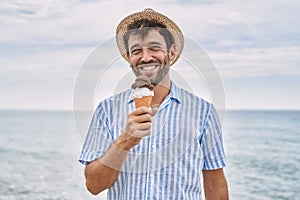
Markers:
(255, 46)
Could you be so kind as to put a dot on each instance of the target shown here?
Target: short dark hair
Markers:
(142, 28)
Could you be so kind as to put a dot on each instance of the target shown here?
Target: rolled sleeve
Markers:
(212, 142)
(98, 139)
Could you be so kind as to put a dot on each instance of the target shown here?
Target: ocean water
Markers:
(263, 154)
(39, 152)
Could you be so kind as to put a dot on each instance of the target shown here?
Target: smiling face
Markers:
(149, 56)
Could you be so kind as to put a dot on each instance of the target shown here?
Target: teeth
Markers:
(148, 68)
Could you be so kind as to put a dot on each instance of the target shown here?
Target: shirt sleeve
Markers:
(98, 138)
(212, 142)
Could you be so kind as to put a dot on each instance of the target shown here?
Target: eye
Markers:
(135, 51)
(155, 48)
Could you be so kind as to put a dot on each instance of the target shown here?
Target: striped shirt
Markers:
(185, 139)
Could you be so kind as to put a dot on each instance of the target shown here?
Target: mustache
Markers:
(145, 64)
(165, 62)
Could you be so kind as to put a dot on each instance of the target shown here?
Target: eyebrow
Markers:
(155, 43)
(134, 46)
(150, 43)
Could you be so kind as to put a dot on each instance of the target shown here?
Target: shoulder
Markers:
(191, 97)
(193, 103)
(114, 101)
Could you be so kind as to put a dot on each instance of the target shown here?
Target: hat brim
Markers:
(150, 15)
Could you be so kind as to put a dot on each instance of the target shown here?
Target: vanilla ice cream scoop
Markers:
(142, 92)
(142, 87)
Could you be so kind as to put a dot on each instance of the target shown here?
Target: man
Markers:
(157, 153)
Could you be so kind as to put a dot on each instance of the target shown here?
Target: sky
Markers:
(254, 45)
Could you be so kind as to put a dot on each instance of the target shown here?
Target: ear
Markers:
(127, 56)
(172, 53)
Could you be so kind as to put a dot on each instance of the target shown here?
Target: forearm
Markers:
(219, 193)
(99, 176)
(102, 173)
(215, 185)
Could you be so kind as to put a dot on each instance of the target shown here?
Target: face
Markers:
(148, 56)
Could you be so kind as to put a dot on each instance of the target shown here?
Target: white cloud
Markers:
(223, 23)
(252, 38)
(50, 65)
(258, 62)
(22, 12)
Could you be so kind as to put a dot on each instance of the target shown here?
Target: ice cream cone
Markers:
(144, 101)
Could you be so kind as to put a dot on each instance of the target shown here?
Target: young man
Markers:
(161, 152)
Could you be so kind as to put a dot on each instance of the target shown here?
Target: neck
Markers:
(161, 91)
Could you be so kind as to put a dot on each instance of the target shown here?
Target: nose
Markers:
(146, 56)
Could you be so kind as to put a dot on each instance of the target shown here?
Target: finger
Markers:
(144, 126)
(141, 133)
(138, 127)
(142, 118)
(153, 111)
(150, 111)
(141, 110)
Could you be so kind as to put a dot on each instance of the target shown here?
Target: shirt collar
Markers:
(174, 93)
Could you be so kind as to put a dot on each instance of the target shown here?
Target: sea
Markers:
(39, 153)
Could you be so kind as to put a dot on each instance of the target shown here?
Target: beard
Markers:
(155, 78)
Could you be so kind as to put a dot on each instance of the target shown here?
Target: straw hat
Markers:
(149, 14)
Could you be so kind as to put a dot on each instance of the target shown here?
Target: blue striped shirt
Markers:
(185, 139)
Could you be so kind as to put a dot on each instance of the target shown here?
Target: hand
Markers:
(138, 125)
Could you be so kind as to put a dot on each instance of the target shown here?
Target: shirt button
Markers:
(153, 146)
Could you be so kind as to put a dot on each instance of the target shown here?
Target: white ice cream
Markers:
(140, 92)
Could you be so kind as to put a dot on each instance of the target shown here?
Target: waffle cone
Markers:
(144, 101)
